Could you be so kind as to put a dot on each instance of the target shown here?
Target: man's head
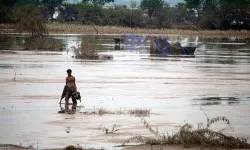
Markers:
(69, 71)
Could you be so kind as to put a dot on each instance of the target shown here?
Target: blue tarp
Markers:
(132, 42)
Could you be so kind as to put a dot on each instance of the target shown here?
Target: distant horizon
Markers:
(127, 2)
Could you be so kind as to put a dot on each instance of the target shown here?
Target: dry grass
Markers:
(88, 29)
(139, 112)
(11, 146)
(99, 111)
(7, 26)
(189, 136)
(112, 130)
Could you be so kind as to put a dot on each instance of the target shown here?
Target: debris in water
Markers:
(67, 129)
(71, 118)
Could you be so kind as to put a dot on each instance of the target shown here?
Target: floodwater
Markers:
(178, 90)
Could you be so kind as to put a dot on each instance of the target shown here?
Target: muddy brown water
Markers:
(175, 89)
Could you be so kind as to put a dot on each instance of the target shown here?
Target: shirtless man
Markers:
(71, 87)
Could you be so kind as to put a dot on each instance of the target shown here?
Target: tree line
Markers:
(191, 14)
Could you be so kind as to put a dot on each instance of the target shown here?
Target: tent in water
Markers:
(161, 46)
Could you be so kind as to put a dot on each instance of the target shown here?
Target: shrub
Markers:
(86, 50)
(29, 19)
(189, 136)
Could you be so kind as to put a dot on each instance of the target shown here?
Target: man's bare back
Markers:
(70, 81)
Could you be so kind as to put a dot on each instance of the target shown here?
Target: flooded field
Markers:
(216, 80)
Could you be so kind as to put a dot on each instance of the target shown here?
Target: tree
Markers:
(29, 19)
(181, 13)
(26, 2)
(151, 6)
(133, 5)
(162, 17)
(50, 6)
(94, 15)
(97, 2)
(8, 2)
(193, 3)
(235, 14)
(194, 9)
(92, 11)
(6, 10)
(68, 13)
(220, 14)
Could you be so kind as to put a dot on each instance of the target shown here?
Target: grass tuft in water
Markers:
(133, 112)
(113, 130)
(139, 112)
(188, 136)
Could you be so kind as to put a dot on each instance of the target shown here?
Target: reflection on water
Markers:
(69, 109)
(232, 44)
(9, 42)
(206, 101)
(118, 47)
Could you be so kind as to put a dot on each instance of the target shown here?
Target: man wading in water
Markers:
(70, 91)
(70, 87)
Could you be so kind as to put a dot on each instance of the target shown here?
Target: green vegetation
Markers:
(191, 14)
(49, 7)
(6, 7)
(29, 19)
(219, 14)
(151, 6)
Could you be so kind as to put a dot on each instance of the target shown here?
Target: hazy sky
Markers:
(127, 2)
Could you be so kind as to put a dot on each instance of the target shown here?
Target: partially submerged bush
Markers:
(71, 147)
(86, 50)
(189, 136)
(102, 111)
(98, 111)
(29, 19)
(140, 112)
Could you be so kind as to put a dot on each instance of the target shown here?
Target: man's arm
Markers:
(66, 80)
(75, 81)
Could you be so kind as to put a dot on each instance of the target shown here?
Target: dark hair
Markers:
(69, 70)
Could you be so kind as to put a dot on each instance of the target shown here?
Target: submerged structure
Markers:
(161, 46)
